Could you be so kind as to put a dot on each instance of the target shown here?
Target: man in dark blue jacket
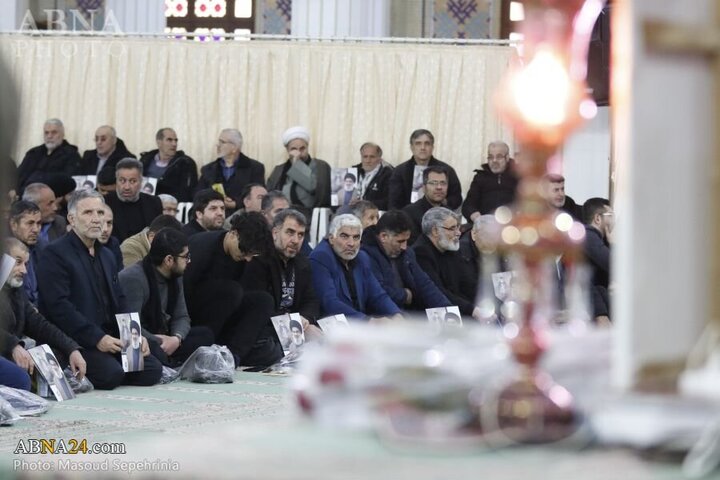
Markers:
(80, 293)
(396, 268)
(342, 275)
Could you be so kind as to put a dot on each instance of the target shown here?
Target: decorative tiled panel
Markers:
(276, 17)
(462, 18)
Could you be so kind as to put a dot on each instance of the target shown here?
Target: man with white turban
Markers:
(303, 179)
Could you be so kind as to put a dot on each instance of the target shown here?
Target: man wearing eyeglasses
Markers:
(435, 183)
(437, 254)
(494, 183)
(599, 220)
(154, 288)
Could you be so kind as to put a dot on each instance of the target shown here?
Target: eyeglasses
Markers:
(454, 228)
(437, 183)
(186, 256)
(499, 156)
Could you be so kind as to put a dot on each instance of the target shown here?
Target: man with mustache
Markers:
(437, 254)
(25, 224)
(80, 293)
(55, 155)
(343, 278)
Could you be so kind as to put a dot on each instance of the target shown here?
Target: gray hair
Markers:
(362, 206)
(499, 143)
(160, 135)
(236, 137)
(113, 132)
(33, 191)
(344, 220)
(166, 197)
(54, 121)
(129, 163)
(268, 200)
(289, 213)
(377, 148)
(12, 242)
(435, 217)
(483, 223)
(80, 195)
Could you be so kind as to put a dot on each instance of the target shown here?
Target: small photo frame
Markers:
(290, 331)
(149, 185)
(503, 284)
(418, 189)
(333, 322)
(49, 369)
(131, 337)
(444, 316)
(85, 182)
(344, 186)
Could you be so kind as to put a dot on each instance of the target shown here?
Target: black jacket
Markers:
(130, 218)
(263, 273)
(378, 190)
(597, 254)
(490, 190)
(445, 269)
(247, 171)
(572, 208)
(21, 318)
(37, 163)
(401, 183)
(192, 228)
(180, 178)
(90, 160)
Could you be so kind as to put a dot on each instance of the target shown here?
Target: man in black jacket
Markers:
(176, 172)
(437, 253)
(422, 144)
(232, 170)
(285, 272)
(216, 298)
(109, 150)
(599, 220)
(133, 209)
(493, 185)
(555, 185)
(55, 155)
(435, 183)
(208, 212)
(22, 319)
(374, 181)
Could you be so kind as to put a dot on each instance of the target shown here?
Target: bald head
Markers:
(105, 140)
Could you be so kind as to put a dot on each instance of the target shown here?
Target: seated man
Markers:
(176, 172)
(107, 240)
(55, 155)
(169, 204)
(273, 203)
(232, 170)
(25, 223)
(493, 185)
(209, 212)
(395, 266)
(435, 183)
(367, 212)
(422, 144)
(109, 150)
(154, 287)
(53, 226)
(599, 221)
(304, 180)
(215, 297)
(285, 272)
(374, 181)
(436, 252)
(22, 319)
(251, 195)
(555, 185)
(133, 209)
(80, 293)
(342, 275)
(62, 187)
(137, 247)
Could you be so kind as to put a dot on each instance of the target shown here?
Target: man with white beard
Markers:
(437, 254)
(54, 156)
(22, 320)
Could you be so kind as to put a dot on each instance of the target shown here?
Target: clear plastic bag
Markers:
(8, 415)
(213, 364)
(81, 386)
(169, 375)
(25, 403)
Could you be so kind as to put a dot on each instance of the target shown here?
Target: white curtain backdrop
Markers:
(346, 94)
